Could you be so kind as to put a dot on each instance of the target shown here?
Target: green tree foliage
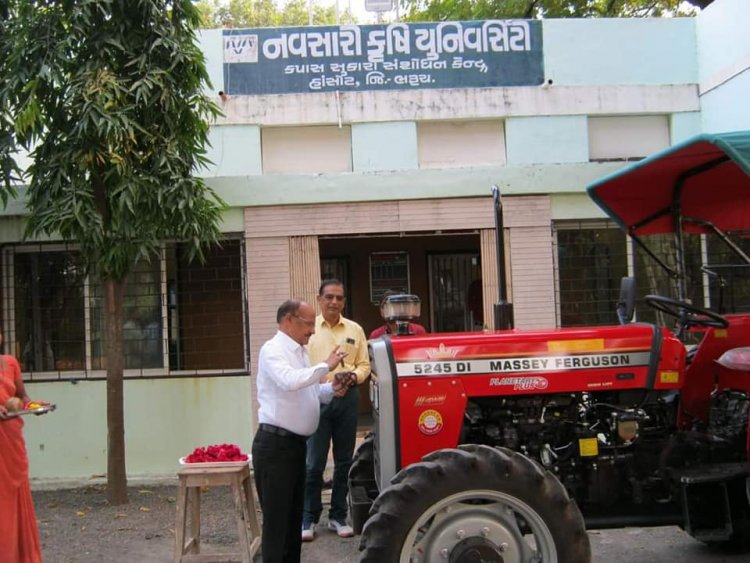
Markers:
(9, 171)
(265, 13)
(440, 10)
(108, 95)
(294, 12)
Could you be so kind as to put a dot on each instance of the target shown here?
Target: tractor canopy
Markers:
(697, 186)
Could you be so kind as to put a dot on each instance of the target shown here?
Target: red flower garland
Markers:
(218, 452)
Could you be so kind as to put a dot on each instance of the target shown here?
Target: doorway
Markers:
(454, 280)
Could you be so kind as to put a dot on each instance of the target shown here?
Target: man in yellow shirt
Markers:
(338, 419)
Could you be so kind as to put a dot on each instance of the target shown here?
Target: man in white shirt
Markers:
(289, 394)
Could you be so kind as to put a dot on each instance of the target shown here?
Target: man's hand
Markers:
(335, 358)
(339, 389)
(346, 378)
(342, 382)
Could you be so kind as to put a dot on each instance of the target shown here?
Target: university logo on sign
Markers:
(241, 48)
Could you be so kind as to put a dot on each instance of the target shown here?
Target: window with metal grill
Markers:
(180, 317)
(591, 260)
(592, 257)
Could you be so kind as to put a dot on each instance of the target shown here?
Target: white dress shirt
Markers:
(289, 392)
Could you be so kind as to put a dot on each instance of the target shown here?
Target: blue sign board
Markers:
(397, 56)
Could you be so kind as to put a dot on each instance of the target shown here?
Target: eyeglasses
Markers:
(304, 321)
(331, 297)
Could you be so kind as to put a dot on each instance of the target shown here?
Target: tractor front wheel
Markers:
(363, 467)
(472, 504)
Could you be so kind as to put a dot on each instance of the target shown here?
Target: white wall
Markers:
(452, 144)
(627, 137)
(306, 150)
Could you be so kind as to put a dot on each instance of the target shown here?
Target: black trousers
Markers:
(279, 472)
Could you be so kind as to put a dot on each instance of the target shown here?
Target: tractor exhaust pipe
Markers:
(503, 310)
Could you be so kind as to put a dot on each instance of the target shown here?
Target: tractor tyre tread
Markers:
(419, 486)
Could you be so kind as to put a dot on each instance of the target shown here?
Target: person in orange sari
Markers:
(19, 535)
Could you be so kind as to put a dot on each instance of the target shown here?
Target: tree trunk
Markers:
(117, 491)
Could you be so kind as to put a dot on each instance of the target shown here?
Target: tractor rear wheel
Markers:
(472, 504)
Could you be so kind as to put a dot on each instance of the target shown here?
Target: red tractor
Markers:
(506, 445)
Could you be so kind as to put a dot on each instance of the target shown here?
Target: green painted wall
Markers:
(603, 51)
(410, 184)
(575, 207)
(235, 151)
(684, 125)
(547, 139)
(384, 146)
(164, 420)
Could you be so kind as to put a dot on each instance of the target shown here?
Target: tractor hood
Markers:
(704, 179)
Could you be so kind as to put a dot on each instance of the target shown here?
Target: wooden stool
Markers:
(189, 496)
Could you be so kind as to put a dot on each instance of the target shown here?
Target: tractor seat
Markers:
(736, 358)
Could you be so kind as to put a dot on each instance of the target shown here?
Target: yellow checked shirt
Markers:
(349, 337)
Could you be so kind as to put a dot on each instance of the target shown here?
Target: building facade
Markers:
(367, 153)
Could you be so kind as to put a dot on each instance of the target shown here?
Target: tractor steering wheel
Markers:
(687, 313)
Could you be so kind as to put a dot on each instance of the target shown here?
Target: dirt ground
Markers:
(79, 526)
